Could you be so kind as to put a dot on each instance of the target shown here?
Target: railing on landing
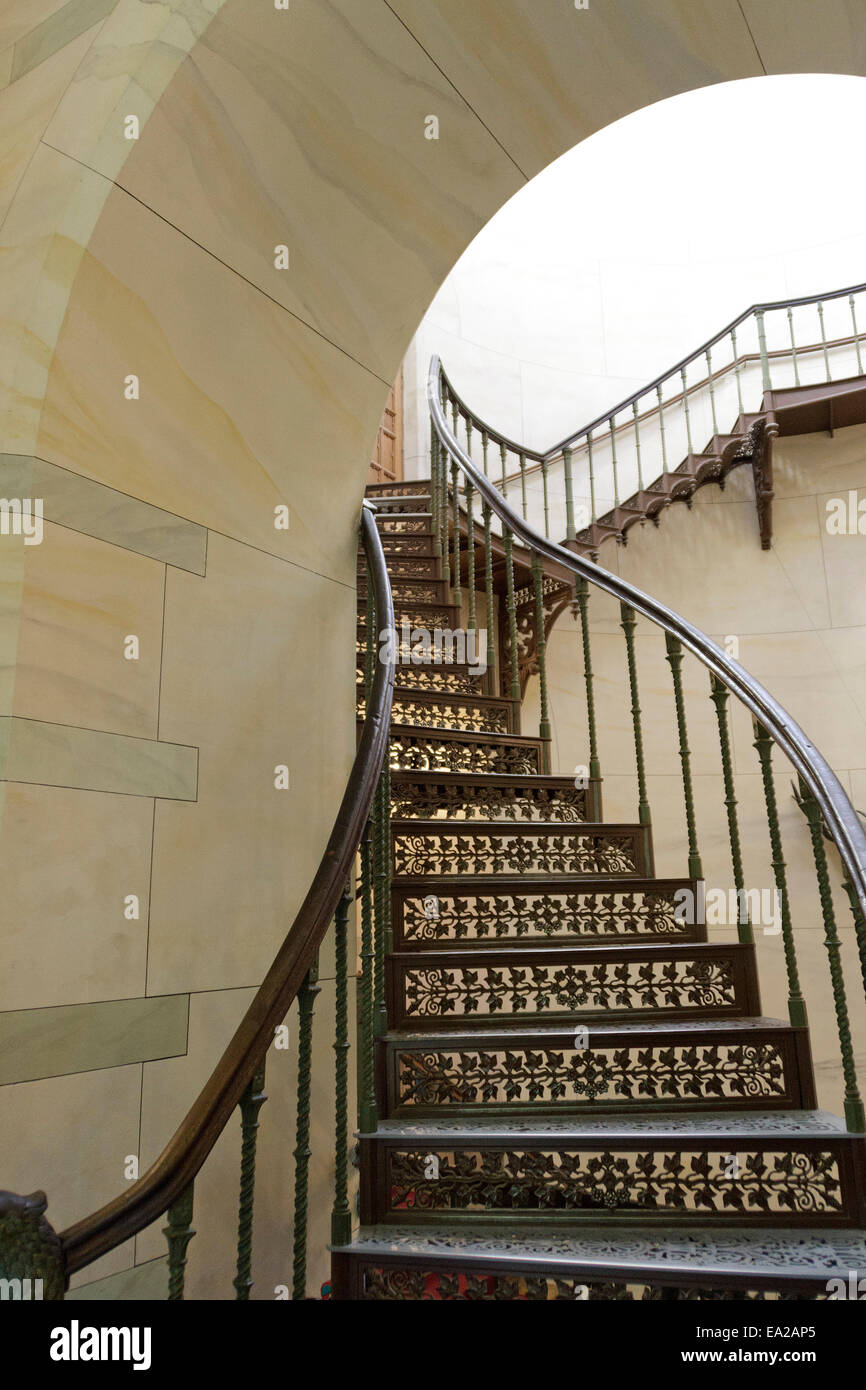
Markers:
(822, 795)
(603, 465)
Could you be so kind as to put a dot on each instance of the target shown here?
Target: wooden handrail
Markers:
(147, 1199)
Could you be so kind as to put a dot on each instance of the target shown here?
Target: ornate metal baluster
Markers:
(736, 361)
(824, 339)
(485, 440)
(369, 635)
(570, 531)
(628, 625)
(434, 490)
(762, 349)
(855, 1115)
(511, 611)
(675, 658)
(341, 1214)
(381, 851)
(546, 500)
(637, 446)
(544, 730)
(178, 1233)
(486, 513)
(796, 1002)
(470, 551)
(856, 334)
(251, 1103)
(793, 346)
(503, 458)
(306, 1006)
(591, 478)
(581, 599)
(613, 462)
(443, 520)
(859, 925)
(686, 412)
(719, 696)
(366, 1044)
(662, 429)
(455, 526)
(712, 386)
(523, 483)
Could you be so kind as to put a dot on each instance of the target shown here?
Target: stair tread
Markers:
(730, 1124)
(775, 1253)
(487, 1038)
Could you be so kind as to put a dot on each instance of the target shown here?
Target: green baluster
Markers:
(736, 361)
(796, 1002)
(824, 339)
(434, 490)
(511, 611)
(637, 446)
(855, 1116)
(628, 625)
(178, 1233)
(859, 925)
(546, 501)
(581, 598)
(856, 334)
(366, 1039)
(455, 527)
(712, 387)
(591, 477)
(484, 442)
(762, 348)
(486, 512)
(613, 462)
(443, 521)
(570, 531)
(251, 1103)
(675, 659)
(306, 1006)
(793, 346)
(686, 412)
(341, 1215)
(662, 429)
(544, 730)
(523, 483)
(470, 551)
(719, 696)
(503, 456)
(381, 849)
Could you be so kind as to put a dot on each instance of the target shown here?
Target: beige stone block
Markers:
(82, 600)
(57, 32)
(37, 1043)
(57, 755)
(71, 1136)
(69, 859)
(147, 1282)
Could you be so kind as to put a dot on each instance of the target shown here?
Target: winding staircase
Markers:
(578, 1095)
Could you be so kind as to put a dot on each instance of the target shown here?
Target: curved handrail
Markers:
(816, 772)
(197, 1133)
(556, 449)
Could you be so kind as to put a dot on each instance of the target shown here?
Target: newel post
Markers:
(31, 1256)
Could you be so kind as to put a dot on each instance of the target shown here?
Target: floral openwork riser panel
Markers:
(591, 915)
(404, 525)
(409, 591)
(480, 801)
(422, 1285)
(555, 989)
(479, 719)
(708, 1182)
(545, 1076)
(426, 618)
(421, 754)
(440, 678)
(477, 853)
(405, 545)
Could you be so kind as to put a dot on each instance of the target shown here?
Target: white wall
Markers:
(629, 251)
